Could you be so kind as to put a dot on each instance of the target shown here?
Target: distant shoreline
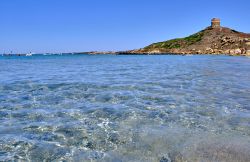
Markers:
(181, 54)
(124, 54)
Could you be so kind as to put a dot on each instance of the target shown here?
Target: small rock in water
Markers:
(90, 145)
(114, 138)
(165, 158)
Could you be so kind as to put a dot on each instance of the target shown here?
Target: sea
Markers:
(119, 108)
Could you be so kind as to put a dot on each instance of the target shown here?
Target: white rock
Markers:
(237, 51)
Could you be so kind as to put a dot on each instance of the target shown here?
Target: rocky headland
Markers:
(208, 41)
(214, 39)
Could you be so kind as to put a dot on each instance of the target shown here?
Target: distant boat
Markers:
(29, 54)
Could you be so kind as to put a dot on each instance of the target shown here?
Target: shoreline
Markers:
(124, 54)
(176, 54)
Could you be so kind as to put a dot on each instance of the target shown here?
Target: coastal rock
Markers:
(248, 43)
(211, 40)
(155, 51)
(237, 51)
(209, 50)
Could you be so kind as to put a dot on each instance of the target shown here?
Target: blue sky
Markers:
(86, 25)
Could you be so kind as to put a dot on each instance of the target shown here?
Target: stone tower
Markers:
(215, 23)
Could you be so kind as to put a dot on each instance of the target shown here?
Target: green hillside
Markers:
(177, 43)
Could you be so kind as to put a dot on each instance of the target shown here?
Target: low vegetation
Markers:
(177, 43)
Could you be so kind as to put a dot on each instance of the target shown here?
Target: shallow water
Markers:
(125, 108)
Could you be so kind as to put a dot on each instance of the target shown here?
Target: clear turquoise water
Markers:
(125, 108)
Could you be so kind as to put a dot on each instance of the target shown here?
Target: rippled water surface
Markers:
(125, 108)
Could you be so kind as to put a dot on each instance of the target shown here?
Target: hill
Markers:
(212, 40)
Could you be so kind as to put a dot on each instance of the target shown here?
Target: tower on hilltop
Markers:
(215, 23)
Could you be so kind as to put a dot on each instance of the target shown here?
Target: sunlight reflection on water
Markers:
(125, 108)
